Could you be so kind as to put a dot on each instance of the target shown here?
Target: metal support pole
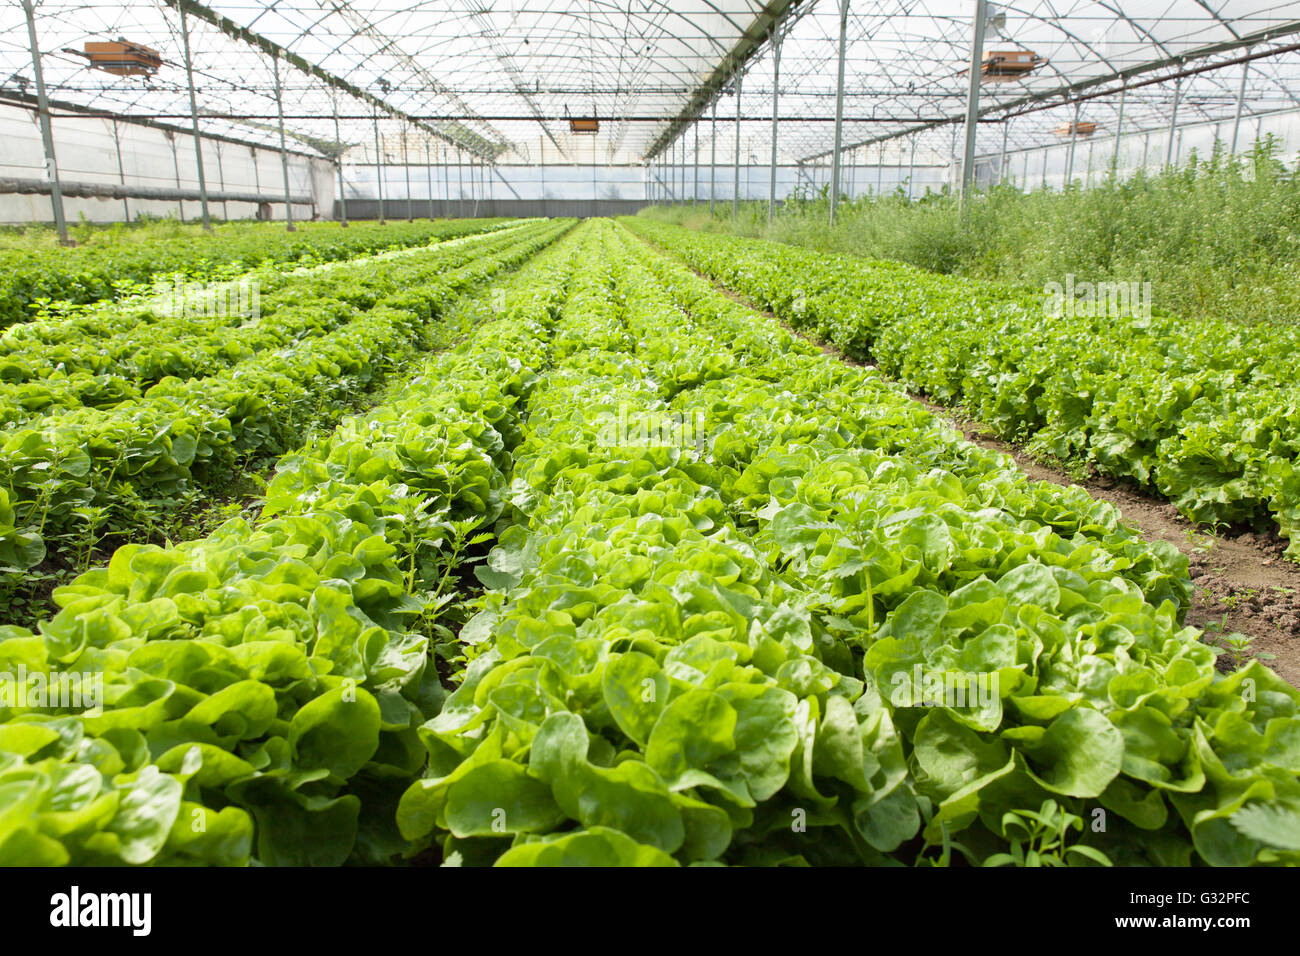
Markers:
(221, 182)
(1119, 130)
(973, 96)
(713, 156)
(379, 165)
(1002, 157)
(338, 161)
(446, 186)
(460, 185)
(952, 157)
(1173, 122)
(121, 171)
(839, 110)
(695, 170)
(47, 131)
(776, 99)
(1069, 156)
(1241, 101)
(674, 170)
(681, 168)
(735, 171)
(406, 166)
(911, 170)
(194, 119)
(257, 175)
(284, 155)
(428, 176)
(176, 171)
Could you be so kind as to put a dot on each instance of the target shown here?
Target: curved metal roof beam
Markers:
(359, 23)
(266, 46)
(606, 5)
(1204, 50)
(771, 18)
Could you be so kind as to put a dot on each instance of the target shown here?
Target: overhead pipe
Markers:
(77, 190)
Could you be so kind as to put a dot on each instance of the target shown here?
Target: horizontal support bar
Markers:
(37, 187)
(235, 117)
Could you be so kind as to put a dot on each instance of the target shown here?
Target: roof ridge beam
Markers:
(765, 23)
(476, 144)
(1177, 59)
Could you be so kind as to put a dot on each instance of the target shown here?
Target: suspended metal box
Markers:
(579, 125)
(1007, 66)
(123, 58)
(1081, 128)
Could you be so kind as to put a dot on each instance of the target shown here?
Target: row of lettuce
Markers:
(1206, 414)
(730, 657)
(107, 269)
(727, 575)
(120, 352)
(73, 475)
(262, 688)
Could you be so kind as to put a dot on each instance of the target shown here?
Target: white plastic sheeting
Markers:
(85, 152)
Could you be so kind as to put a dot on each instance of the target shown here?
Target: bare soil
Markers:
(1243, 584)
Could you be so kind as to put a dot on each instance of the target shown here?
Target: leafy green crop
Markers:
(262, 687)
(714, 652)
(1207, 414)
(698, 658)
(112, 268)
(123, 465)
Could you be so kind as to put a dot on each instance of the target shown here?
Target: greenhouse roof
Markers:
(504, 79)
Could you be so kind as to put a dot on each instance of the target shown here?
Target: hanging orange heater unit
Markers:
(123, 58)
(583, 125)
(1007, 66)
(1081, 128)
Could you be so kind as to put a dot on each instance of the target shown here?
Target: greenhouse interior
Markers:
(589, 109)
(485, 433)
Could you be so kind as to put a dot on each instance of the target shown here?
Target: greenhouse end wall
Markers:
(85, 150)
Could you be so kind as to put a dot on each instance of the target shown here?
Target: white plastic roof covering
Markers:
(502, 75)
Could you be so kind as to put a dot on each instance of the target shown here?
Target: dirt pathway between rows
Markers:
(1243, 584)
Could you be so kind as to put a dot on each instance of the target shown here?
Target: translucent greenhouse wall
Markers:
(1046, 167)
(624, 183)
(85, 150)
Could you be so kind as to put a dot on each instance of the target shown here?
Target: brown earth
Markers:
(1243, 584)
